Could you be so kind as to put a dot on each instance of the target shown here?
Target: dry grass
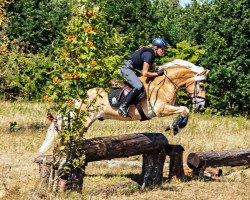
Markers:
(19, 178)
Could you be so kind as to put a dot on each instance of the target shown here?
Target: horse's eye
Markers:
(202, 86)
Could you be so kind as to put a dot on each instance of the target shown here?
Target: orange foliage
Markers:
(65, 53)
(56, 80)
(70, 37)
(90, 44)
(93, 63)
(68, 76)
(76, 76)
(68, 103)
(89, 29)
(90, 13)
(47, 98)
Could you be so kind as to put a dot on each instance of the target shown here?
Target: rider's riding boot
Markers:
(123, 109)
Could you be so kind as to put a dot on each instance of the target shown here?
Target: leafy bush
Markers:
(24, 75)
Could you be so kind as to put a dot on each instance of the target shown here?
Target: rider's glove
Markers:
(160, 72)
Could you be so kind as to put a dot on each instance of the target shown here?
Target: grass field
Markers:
(23, 127)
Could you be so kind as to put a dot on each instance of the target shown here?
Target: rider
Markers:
(142, 59)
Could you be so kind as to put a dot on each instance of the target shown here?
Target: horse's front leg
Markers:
(180, 122)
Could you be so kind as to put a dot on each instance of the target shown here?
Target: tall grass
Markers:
(23, 127)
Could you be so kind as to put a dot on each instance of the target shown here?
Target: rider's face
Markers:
(160, 51)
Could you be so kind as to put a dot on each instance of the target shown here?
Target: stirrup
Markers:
(123, 111)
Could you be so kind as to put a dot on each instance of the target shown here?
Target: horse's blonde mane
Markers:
(183, 63)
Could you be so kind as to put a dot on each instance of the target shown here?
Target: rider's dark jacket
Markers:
(138, 57)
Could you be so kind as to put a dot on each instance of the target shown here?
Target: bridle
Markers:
(193, 95)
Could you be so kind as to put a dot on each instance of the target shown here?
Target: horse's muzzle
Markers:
(199, 104)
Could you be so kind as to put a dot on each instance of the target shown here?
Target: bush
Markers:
(24, 75)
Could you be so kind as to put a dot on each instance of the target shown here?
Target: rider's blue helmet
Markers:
(159, 42)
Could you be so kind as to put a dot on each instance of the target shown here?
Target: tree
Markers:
(134, 20)
(34, 25)
(4, 40)
(84, 59)
(226, 42)
(221, 28)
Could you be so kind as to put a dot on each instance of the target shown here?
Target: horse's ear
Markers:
(205, 72)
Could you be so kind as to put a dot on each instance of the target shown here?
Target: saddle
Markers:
(118, 93)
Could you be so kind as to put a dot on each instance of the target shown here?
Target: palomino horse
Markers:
(159, 101)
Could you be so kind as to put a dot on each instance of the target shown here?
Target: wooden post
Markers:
(44, 163)
(201, 160)
(176, 161)
(73, 181)
(152, 169)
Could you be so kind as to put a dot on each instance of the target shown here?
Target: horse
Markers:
(159, 100)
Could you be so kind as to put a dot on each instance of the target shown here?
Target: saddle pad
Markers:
(116, 97)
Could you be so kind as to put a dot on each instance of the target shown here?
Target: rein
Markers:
(162, 81)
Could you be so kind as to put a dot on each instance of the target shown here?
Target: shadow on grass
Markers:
(134, 177)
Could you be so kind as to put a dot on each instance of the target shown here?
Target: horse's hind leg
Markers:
(91, 118)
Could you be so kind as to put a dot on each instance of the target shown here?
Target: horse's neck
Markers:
(165, 87)
(179, 76)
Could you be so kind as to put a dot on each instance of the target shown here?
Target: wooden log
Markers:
(176, 161)
(202, 160)
(107, 148)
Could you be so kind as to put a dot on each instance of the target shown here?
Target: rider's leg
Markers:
(132, 96)
(137, 85)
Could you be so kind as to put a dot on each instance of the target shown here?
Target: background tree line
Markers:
(210, 33)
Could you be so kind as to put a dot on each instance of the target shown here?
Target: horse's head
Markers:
(197, 90)
(185, 74)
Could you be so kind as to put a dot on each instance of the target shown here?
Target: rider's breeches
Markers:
(131, 77)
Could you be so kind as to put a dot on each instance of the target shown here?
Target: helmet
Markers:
(159, 42)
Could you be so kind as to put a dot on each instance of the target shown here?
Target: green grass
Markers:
(19, 176)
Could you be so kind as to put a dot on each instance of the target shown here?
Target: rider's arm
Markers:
(145, 71)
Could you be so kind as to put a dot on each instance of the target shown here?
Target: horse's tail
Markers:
(50, 116)
(50, 137)
(54, 128)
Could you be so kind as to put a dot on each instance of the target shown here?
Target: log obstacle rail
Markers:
(153, 146)
(199, 161)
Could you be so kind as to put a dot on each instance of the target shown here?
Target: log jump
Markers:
(199, 161)
(153, 146)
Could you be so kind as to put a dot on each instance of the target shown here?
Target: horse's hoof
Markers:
(176, 130)
(169, 126)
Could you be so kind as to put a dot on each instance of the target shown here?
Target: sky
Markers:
(183, 2)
